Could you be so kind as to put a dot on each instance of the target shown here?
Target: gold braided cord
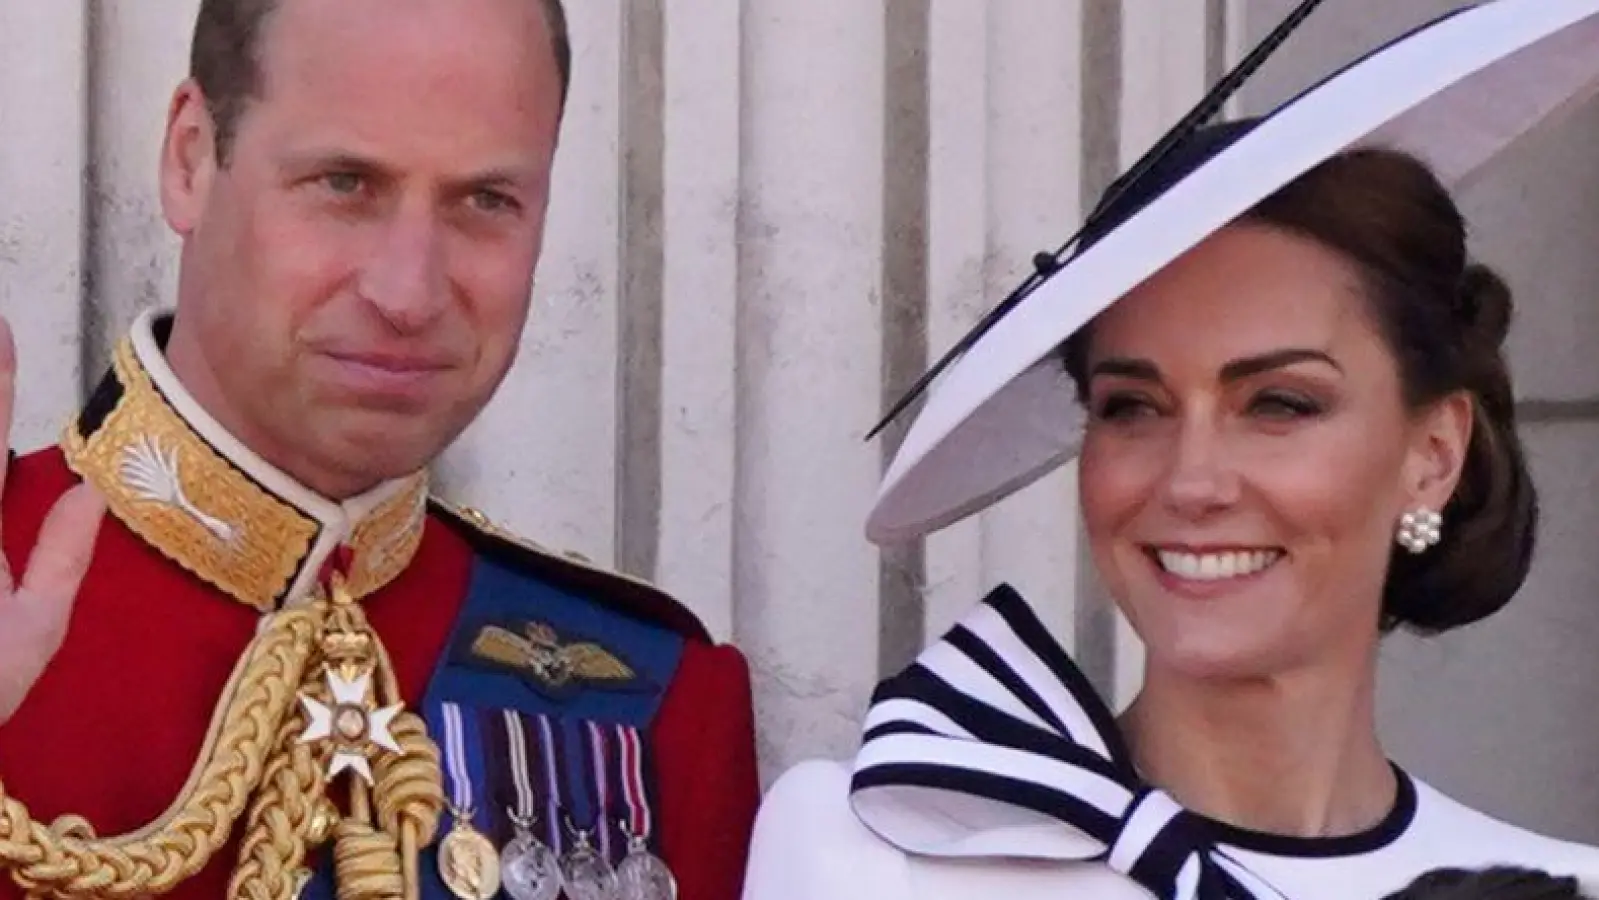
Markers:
(410, 794)
(409, 790)
(410, 785)
(66, 860)
(255, 758)
(367, 863)
(290, 815)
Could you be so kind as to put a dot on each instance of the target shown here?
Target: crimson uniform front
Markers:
(577, 707)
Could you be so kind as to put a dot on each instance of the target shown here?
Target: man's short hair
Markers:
(224, 58)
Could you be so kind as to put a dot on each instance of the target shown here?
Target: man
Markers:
(277, 665)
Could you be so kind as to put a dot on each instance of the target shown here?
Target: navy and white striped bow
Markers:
(994, 744)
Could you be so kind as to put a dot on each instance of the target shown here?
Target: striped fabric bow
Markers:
(993, 744)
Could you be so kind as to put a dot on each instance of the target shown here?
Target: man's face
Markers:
(356, 278)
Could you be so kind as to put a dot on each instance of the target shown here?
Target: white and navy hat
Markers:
(1456, 93)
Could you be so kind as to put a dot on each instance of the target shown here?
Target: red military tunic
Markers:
(207, 537)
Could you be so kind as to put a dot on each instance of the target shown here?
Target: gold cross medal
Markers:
(468, 862)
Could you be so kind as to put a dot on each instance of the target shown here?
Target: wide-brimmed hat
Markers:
(1456, 93)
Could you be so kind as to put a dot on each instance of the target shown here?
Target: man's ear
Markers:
(1440, 438)
(188, 159)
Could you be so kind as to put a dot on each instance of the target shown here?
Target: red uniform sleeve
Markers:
(709, 788)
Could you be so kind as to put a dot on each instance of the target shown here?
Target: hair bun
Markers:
(1484, 307)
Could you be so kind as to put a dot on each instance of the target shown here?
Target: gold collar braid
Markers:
(264, 752)
(173, 476)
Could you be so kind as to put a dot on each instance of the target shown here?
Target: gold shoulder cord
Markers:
(264, 751)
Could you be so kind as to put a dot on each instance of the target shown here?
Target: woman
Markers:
(1299, 435)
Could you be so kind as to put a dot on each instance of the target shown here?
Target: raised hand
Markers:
(35, 607)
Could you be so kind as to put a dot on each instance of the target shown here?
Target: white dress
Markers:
(991, 771)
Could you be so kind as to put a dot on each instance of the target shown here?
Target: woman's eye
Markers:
(1280, 405)
(1123, 406)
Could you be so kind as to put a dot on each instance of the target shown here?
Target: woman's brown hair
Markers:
(1494, 883)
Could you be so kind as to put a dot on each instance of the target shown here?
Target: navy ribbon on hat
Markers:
(995, 724)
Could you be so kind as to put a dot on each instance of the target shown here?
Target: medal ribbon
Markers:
(462, 748)
(602, 787)
(455, 765)
(521, 774)
(552, 785)
(632, 767)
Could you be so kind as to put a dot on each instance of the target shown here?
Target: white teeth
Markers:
(1215, 566)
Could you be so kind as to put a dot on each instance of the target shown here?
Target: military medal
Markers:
(529, 869)
(343, 716)
(351, 724)
(468, 862)
(642, 875)
(587, 874)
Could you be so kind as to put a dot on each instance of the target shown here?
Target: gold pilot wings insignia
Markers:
(556, 666)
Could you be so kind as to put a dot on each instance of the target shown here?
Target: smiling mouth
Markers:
(1215, 565)
(390, 365)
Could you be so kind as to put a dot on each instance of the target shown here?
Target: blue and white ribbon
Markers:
(994, 744)
(455, 762)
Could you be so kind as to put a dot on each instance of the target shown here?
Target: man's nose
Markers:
(1202, 477)
(404, 277)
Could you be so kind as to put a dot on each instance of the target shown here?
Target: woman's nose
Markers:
(1201, 478)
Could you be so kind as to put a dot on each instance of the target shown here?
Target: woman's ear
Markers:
(1439, 441)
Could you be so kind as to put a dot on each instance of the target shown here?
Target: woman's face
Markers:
(1248, 456)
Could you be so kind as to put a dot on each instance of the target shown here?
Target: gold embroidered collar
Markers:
(174, 477)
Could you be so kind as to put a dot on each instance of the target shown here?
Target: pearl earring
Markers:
(1419, 529)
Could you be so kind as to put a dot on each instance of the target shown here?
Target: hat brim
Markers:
(1455, 93)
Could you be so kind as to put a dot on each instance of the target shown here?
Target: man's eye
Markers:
(343, 182)
(493, 201)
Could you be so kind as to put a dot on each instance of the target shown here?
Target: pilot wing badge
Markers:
(557, 668)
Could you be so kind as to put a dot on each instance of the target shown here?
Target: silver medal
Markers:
(529, 869)
(588, 876)
(642, 875)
